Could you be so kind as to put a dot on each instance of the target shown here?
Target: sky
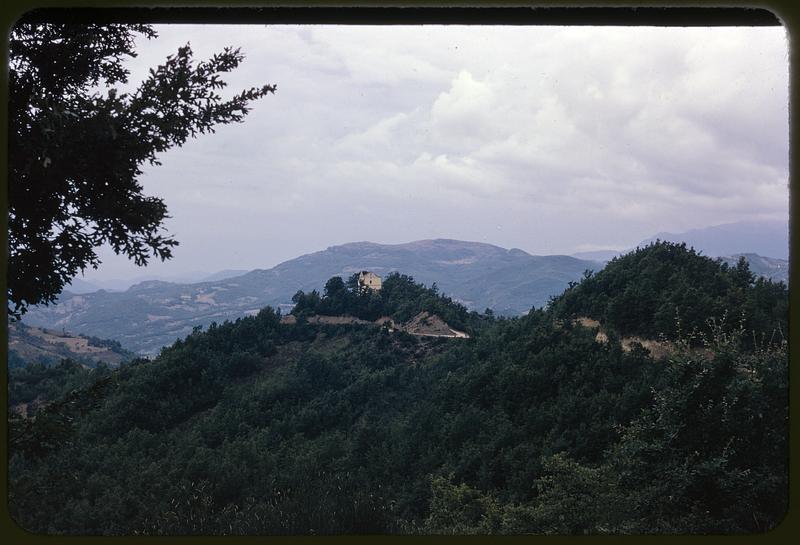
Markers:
(554, 140)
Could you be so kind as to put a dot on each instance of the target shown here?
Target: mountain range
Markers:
(154, 313)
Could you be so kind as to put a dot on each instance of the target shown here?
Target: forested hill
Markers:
(399, 299)
(667, 289)
(531, 425)
(154, 314)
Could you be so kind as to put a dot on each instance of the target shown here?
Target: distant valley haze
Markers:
(764, 238)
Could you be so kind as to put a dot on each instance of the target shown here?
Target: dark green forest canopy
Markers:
(399, 298)
(529, 426)
(667, 289)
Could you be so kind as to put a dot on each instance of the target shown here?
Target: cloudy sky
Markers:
(549, 139)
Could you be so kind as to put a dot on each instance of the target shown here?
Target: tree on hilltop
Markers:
(77, 146)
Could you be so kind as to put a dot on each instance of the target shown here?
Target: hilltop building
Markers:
(369, 280)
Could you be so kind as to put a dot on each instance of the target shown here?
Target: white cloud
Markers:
(544, 138)
(463, 115)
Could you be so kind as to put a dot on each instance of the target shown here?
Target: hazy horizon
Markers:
(554, 140)
(204, 275)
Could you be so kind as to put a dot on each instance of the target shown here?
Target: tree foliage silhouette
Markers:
(77, 145)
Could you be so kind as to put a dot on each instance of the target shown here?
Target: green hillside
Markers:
(36, 345)
(531, 425)
(400, 299)
(665, 289)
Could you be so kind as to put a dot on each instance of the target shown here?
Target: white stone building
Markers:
(369, 280)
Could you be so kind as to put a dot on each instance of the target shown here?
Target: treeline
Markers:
(665, 289)
(529, 426)
(400, 298)
(49, 382)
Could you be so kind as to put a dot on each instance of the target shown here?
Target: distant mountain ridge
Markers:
(154, 313)
(80, 286)
(765, 245)
(776, 270)
(765, 238)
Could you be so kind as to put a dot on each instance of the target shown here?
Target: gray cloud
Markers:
(544, 138)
